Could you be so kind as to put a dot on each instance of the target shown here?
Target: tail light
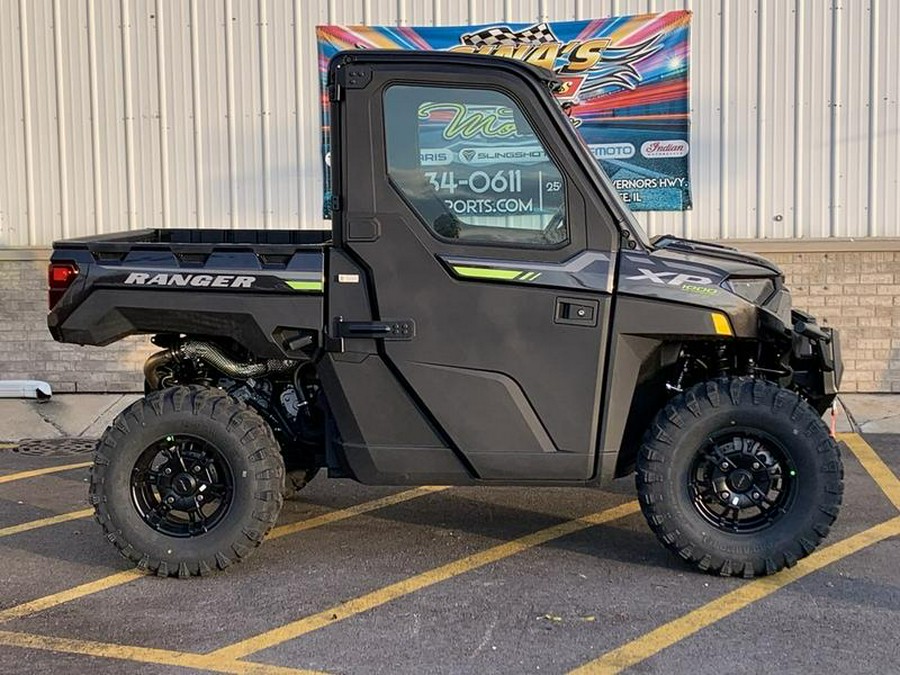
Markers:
(60, 276)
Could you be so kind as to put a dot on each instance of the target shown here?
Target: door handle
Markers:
(401, 329)
(576, 312)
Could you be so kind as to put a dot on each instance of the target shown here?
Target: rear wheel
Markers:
(739, 477)
(182, 485)
(187, 480)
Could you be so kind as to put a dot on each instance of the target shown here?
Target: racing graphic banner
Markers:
(624, 84)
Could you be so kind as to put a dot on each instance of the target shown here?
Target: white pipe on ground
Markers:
(25, 389)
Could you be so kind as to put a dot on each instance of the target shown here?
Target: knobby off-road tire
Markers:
(717, 434)
(187, 442)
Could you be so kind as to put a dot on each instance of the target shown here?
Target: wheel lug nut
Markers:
(167, 471)
(170, 500)
(196, 468)
(756, 495)
(199, 498)
(724, 465)
(756, 465)
(726, 495)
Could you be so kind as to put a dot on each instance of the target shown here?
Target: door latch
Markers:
(576, 311)
(399, 329)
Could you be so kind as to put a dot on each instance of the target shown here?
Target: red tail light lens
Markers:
(60, 276)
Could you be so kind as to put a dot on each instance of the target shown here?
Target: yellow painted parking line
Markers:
(48, 601)
(642, 648)
(415, 583)
(214, 663)
(7, 446)
(44, 522)
(8, 478)
(148, 655)
(349, 512)
(120, 578)
(876, 467)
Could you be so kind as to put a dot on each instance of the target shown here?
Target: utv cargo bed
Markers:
(207, 282)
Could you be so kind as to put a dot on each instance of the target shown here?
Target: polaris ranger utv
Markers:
(513, 326)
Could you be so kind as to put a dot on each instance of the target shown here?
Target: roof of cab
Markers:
(442, 57)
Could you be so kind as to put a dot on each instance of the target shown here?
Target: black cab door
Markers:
(488, 252)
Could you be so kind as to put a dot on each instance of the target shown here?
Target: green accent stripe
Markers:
(486, 273)
(306, 286)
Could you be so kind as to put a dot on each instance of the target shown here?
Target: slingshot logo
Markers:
(670, 278)
(503, 154)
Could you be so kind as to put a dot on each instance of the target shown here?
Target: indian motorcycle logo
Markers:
(585, 68)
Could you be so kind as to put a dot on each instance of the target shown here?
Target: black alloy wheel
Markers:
(739, 477)
(182, 486)
(742, 480)
(186, 481)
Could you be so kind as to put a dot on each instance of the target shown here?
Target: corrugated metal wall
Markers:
(120, 114)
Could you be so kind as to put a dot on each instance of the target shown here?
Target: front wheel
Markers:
(739, 477)
(187, 480)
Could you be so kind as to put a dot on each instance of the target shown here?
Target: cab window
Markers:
(471, 166)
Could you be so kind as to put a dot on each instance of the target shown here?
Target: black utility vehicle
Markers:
(430, 339)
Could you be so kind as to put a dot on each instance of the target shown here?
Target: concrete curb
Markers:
(63, 416)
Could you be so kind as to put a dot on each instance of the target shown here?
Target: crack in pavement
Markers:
(858, 426)
(59, 429)
(101, 414)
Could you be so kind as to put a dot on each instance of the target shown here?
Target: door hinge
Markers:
(335, 203)
(355, 76)
(349, 75)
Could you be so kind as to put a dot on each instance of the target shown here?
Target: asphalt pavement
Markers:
(360, 579)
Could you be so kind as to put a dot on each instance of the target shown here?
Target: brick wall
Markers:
(859, 294)
(27, 352)
(856, 291)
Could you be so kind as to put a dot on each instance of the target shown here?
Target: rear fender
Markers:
(253, 321)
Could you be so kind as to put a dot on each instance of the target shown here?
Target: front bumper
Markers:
(832, 364)
(816, 360)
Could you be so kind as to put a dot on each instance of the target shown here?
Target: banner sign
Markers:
(624, 84)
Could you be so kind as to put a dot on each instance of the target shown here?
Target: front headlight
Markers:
(756, 291)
